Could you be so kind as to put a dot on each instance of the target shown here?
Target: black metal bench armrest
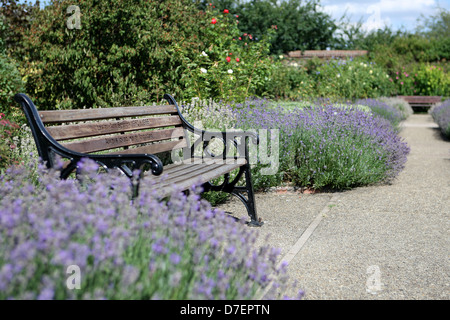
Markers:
(228, 138)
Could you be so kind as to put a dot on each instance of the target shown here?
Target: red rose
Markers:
(228, 59)
(213, 21)
(226, 11)
(230, 54)
(240, 38)
(237, 60)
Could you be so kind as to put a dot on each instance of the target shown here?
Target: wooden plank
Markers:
(155, 148)
(421, 99)
(56, 116)
(186, 172)
(124, 140)
(84, 130)
(209, 174)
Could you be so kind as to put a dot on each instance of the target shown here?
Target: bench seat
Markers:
(133, 140)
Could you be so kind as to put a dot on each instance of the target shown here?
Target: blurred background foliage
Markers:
(132, 52)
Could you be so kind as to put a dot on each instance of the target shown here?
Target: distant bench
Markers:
(421, 101)
(129, 138)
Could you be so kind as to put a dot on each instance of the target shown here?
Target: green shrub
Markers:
(290, 82)
(351, 79)
(124, 52)
(8, 131)
(132, 52)
(300, 25)
(10, 83)
(231, 65)
(422, 79)
(431, 80)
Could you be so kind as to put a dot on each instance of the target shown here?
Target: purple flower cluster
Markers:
(441, 115)
(330, 146)
(393, 115)
(141, 249)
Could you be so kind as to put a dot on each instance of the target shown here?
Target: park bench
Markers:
(135, 139)
(421, 101)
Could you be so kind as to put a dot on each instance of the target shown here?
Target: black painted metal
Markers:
(229, 139)
(48, 148)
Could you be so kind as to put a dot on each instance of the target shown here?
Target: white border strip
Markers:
(288, 257)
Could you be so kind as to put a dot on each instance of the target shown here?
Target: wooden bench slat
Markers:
(58, 116)
(208, 173)
(186, 171)
(176, 173)
(124, 140)
(84, 130)
(421, 101)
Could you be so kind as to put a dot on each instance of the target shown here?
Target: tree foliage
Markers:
(16, 18)
(123, 52)
(300, 24)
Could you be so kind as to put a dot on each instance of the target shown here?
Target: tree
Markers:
(124, 52)
(16, 18)
(300, 25)
(437, 26)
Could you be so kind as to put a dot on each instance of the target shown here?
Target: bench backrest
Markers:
(421, 100)
(123, 130)
(120, 130)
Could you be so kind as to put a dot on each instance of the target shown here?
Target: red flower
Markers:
(230, 54)
(213, 21)
(237, 60)
(228, 59)
(226, 11)
(240, 38)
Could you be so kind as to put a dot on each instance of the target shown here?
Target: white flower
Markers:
(230, 71)
(338, 75)
(203, 70)
(204, 54)
(370, 71)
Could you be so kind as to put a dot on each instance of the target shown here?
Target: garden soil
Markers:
(386, 241)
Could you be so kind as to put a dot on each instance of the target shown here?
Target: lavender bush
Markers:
(145, 249)
(329, 146)
(441, 115)
(399, 104)
(384, 110)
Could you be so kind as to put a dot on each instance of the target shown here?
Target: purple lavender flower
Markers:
(441, 115)
(123, 249)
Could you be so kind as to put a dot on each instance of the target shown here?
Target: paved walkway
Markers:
(380, 242)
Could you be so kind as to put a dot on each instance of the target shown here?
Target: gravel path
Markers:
(379, 242)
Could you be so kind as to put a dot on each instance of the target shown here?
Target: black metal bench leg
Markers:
(255, 221)
(249, 202)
